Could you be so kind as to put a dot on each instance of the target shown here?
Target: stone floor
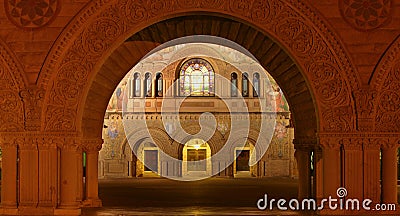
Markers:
(215, 196)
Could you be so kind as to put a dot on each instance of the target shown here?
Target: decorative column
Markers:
(303, 158)
(331, 163)
(164, 89)
(142, 84)
(47, 168)
(389, 171)
(153, 87)
(353, 175)
(372, 166)
(9, 173)
(251, 88)
(92, 148)
(240, 83)
(28, 172)
(69, 162)
(318, 181)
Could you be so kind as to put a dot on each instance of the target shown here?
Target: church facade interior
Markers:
(145, 86)
(187, 90)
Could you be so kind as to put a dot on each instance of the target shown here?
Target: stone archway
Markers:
(89, 59)
(322, 66)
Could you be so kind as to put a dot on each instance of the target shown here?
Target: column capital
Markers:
(352, 143)
(92, 145)
(330, 143)
(305, 143)
(364, 100)
(32, 98)
(389, 143)
(26, 143)
(69, 144)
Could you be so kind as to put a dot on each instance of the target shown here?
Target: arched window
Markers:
(256, 84)
(234, 83)
(136, 85)
(245, 85)
(159, 85)
(147, 85)
(196, 78)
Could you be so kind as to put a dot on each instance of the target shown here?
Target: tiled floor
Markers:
(215, 196)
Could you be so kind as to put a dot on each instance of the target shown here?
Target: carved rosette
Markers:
(31, 14)
(366, 15)
(315, 48)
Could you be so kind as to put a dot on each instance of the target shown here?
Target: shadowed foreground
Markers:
(215, 196)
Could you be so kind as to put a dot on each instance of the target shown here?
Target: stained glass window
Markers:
(196, 78)
(245, 85)
(256, 84)
(159, 85)
(234, 82)
(136, 85)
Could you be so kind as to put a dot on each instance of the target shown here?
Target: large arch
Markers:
(320, 73)
(385, 87)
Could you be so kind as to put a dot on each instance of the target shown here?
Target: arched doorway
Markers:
(196, 158)
(244, 164)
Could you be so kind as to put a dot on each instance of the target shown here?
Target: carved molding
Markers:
(359, 141)
(80, 48)
(11, 81)
(386, 80)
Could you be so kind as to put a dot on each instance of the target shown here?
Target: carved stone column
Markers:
(318, 184)
(69, 173)
(303, 158)
(28, 171)
(239, 84)
(9, 173)
(389, 171)
(168, 92)
(331, 163)
(92, 148)
(371, 166)
(353, 175)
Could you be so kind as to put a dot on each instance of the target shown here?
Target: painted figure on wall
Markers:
(121, 95)
(280, 130)
(276, 99)
(112, 131)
